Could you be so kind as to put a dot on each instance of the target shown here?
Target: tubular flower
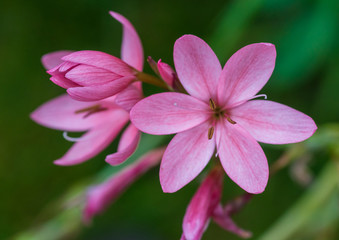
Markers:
(99, 197)
(202, 206)
(205, 205)
(102, 120)
(94, 75)
(218, 114)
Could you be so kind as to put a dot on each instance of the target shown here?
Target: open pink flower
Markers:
(218, 114)
(93, 75)
(101, 196)
(102, 120)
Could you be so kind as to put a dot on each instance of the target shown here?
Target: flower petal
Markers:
(273, 123)
(242, 157)
(53, 59)
(131, 48)
(98, 92)
(60, 113)
(186, 156)
(167, 113)
(99, 197)
(245, 73)
(129, 97)
(85, 75)
(128, 144)
(197, 66)
(202, 205)
(100, 60)
(61, 81)
(95, 140)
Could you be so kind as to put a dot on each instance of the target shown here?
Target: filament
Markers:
(72, 139)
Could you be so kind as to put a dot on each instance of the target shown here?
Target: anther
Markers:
(210, 133)
(90, 110)
(230, 120)
(212, 104)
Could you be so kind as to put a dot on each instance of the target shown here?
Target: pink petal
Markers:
(129, 97)
(95, 140)
(202, 205)
(272, 122)
(226, 222)
(166, 72)
(53, 59)
(99, 197)
(245, 73)
(167, 113)
(61, 81)
(131, 49)
(197, 66)
(128, 144)
(85, 75)
(98, 92)
(60, 113)
(242, 157)
(100, 60)
(186, 156)
(65, 66)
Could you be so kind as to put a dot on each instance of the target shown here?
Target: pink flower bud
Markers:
(99, 197)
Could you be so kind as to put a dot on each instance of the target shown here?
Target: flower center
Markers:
(218, 113)
(91, 110)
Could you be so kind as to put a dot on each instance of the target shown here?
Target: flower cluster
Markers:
(211, 109)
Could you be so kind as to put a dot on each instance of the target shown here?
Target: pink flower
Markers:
(205, 205)
(93, 75)
(202, 205)
(218, 114)
(101, 196)
(102, 120)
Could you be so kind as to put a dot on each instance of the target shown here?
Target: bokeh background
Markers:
(40, 200)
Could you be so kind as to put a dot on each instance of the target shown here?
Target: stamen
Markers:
(212, 104)
(230, 120)
(90, 110)
(210, 133)
(243, 101)
(71, 139)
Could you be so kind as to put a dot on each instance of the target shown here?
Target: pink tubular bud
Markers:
(202, 205)
(99, 197)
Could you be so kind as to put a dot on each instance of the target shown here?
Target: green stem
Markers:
(146, 78)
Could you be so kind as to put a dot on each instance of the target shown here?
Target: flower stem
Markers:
(146, 78)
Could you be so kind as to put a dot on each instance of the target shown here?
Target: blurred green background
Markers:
(37, 197)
